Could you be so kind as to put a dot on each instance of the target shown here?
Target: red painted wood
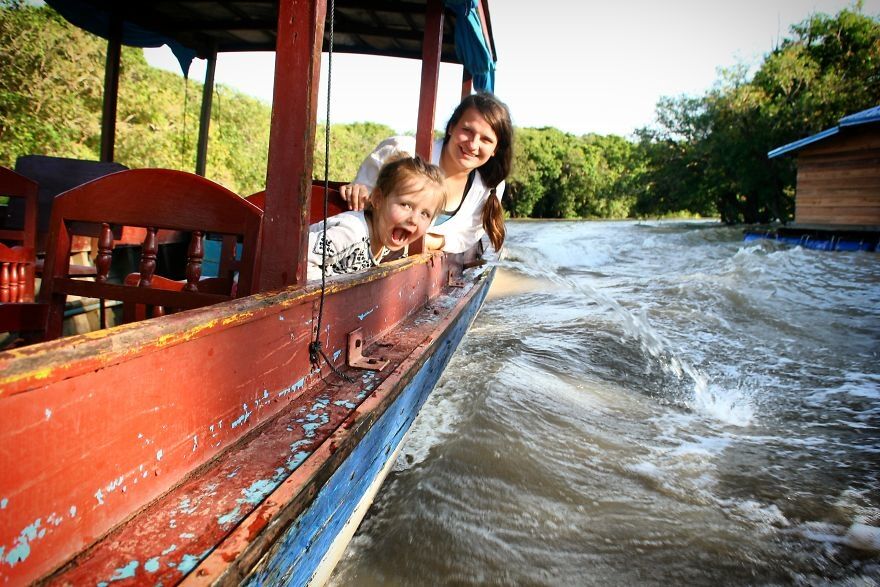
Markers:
(18, 262)
(291, 142)
(335, 202)
(194, 262)
(81, 456)
(431, 48)
(156, 198)
(21, 242)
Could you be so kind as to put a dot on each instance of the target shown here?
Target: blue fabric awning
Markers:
(97, 22)
(470, 44)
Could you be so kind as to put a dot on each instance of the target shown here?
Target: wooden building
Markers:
(838, 176)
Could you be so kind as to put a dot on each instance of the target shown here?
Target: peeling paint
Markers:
(336, 354)
(295, 387)
(297, 459)
(367, 313)
(169, 550)
(234, 473)
(22, 549)
(159, 454)
(100, 497)
(230, 517)
(48, 413)
(190, 561)
(243, 418)
(126, 572)
(345, 404)
(152, 565)
(186, 536)
(73, 511)
(258, 490)
(195, 442)
(3, 503)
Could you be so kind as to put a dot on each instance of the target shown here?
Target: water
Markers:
(646, 403)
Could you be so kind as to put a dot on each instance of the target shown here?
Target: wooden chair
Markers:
(18, 312)
(154, 199)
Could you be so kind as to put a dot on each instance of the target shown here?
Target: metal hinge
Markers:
(355, 357)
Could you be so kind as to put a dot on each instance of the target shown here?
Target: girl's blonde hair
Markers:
(401, 167)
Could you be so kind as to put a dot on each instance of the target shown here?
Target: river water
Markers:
(646, 403)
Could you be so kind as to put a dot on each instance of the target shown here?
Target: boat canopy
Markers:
(195, 28)
(859, 118)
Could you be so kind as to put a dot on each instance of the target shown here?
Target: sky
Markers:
(583, 66)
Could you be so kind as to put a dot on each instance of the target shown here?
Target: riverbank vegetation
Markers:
(705, 155)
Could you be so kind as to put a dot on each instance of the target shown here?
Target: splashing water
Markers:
(646, 403)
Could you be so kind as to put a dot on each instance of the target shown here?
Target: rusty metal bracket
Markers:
(455, 282)
(355, 357)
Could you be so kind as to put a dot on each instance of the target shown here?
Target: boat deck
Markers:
(233, 508)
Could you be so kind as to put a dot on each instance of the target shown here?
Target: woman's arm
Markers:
(357, 193)
(463, 230)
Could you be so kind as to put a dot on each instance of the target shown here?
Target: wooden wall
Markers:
(838, 181)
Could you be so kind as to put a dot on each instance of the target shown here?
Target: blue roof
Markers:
(863, 117)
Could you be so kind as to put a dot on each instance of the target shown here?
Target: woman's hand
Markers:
(356, 195)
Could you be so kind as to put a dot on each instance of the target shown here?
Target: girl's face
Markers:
(403, 216)
(471, 141)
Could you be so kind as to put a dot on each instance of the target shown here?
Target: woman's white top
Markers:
(465, 228)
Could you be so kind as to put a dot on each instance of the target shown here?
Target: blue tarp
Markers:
(97, 22)
(470, 44)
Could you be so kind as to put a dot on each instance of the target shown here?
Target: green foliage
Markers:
(706, 155)
(710, 153)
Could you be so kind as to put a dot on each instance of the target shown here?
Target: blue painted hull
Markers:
(296, 555)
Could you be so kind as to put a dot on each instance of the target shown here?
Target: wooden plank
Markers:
(864, 216)
(291, 143)
(867, 175)
(431, 48)
(853, 201)
(839, 192)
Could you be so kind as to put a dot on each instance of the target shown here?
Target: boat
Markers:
(219, 444)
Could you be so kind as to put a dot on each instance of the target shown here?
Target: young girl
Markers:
(408, 195)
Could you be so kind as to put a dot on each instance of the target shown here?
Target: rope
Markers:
(315, 350)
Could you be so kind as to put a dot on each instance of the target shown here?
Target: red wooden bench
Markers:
(18, 312)
(153, 199)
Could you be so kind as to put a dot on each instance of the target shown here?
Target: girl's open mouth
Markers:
(400, 236)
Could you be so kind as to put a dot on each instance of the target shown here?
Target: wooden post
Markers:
(205, 118)
(111, 87)
(291, 143)
(467, 83)
(431, 48)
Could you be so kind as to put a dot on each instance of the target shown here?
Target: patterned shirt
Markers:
(348, 246)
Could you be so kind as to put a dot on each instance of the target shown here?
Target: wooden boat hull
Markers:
(295, 558)
(221, 469)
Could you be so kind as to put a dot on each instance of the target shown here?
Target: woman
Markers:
(475, 154)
